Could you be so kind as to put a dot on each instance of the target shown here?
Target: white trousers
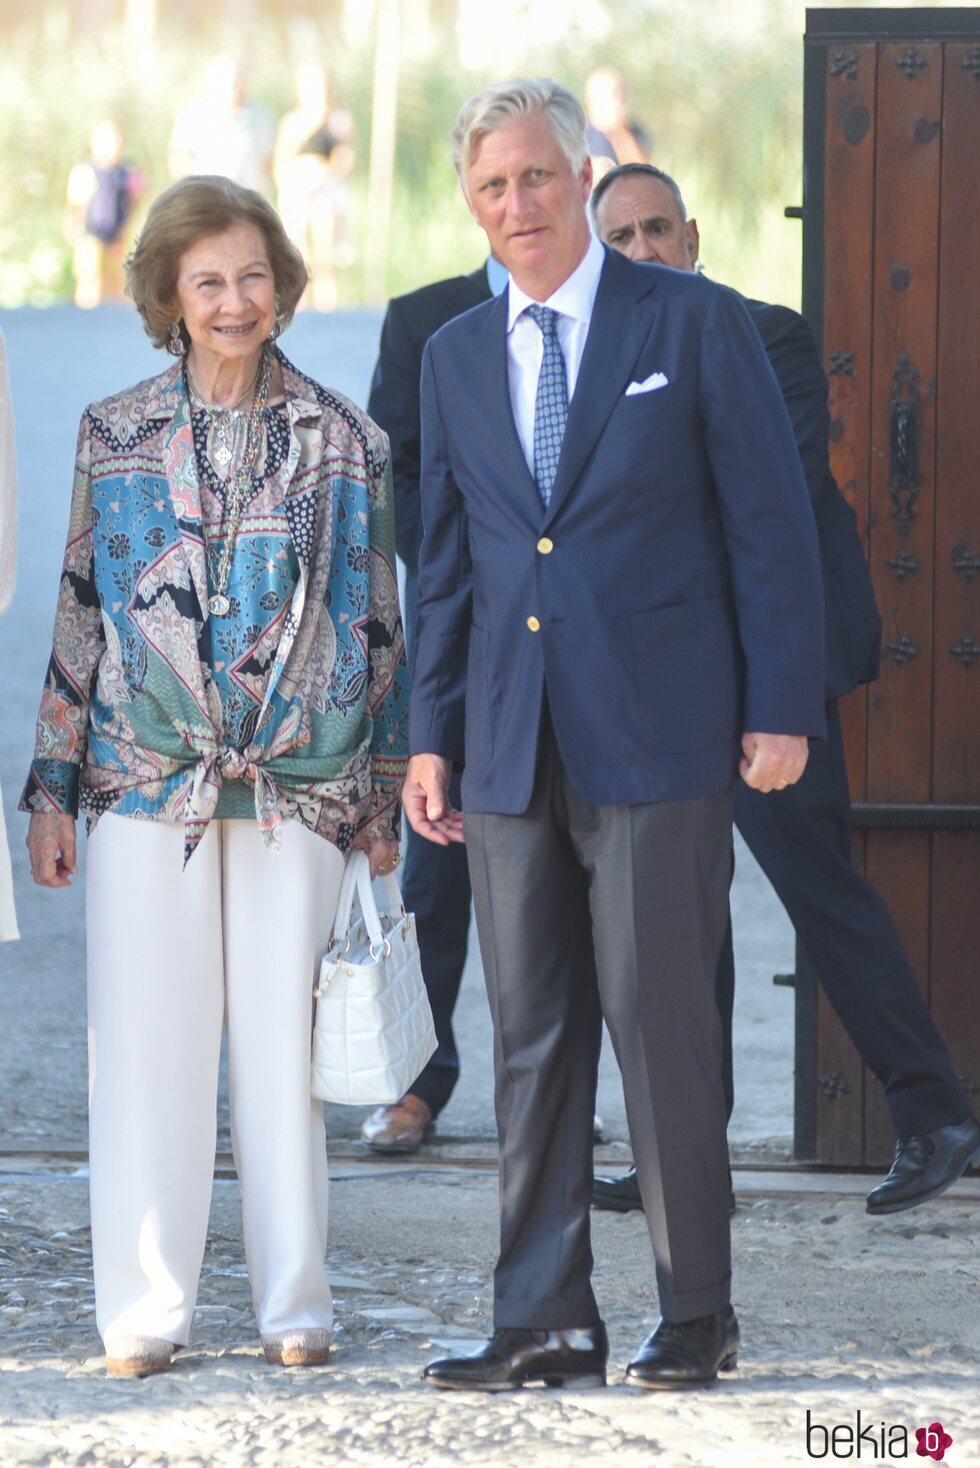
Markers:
(171, 954)
(8, 915)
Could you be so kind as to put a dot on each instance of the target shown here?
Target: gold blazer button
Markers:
(546, 546)
(534, 624)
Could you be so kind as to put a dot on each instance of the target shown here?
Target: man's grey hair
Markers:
(506, 102)
(634, 170)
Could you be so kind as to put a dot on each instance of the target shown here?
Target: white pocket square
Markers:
(649, 384)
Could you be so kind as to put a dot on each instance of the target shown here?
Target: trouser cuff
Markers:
(692, 1304)
(579, 1314)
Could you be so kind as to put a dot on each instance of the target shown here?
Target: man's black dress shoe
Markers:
(516, 1358)
(688, 1354)
(622, 1194)
(926, 1166)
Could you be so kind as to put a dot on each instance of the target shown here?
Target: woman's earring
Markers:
(175, 346)
(277, 330)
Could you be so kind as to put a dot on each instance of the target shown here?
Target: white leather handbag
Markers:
(373, 1032)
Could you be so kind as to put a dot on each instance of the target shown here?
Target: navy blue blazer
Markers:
(669, 597)
(394, 400)
(853, 627)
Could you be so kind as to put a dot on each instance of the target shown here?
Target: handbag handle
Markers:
(357, 881)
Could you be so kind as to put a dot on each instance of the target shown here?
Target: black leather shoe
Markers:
(688, 1354)
(926, 1166)
(618, 1194)
(516, 1358)
(622, 1194)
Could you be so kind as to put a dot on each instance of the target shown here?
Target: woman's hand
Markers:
(51, 846)
(383, 855)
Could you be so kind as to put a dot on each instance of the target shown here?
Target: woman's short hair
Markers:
(183, 214)
(506, 102)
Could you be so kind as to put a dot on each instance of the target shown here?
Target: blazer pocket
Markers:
(688, 669)
(652, 396)
(478, 731)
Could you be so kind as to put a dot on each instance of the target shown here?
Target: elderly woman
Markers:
(225, 701)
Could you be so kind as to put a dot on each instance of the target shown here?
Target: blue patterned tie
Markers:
(550, 403)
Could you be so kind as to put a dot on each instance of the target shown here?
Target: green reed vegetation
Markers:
(723, 102)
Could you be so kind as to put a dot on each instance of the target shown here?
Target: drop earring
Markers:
(175, 344)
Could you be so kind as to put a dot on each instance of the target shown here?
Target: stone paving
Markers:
(840, 1314)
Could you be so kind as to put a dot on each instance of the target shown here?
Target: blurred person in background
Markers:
(8, 577)
(223, 132)
(102, 191)
(801, 836)
(606, 106)
(226, 703)
(313, 160)
(436, 880)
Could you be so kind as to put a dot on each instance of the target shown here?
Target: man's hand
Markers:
(51, 846)
(773, 761)
(426, 800)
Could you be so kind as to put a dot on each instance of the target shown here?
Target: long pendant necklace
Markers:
(237, 488)
(225, 422)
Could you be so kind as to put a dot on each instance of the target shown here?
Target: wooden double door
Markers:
(892, 289)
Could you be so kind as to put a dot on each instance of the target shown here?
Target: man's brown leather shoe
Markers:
(401, 1127)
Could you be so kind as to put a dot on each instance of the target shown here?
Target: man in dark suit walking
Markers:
(620, 611)
(436, 881)
(801, 836)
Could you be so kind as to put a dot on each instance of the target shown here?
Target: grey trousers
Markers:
(588, 912)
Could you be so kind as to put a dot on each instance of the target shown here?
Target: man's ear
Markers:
(586, 179)
(693, 240)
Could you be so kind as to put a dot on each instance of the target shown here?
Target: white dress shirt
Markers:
(573, 300)
(497, 276)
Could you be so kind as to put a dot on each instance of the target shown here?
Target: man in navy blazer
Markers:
(801, 837)
(620, 613)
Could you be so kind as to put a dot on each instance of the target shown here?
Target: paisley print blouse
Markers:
(150, 704)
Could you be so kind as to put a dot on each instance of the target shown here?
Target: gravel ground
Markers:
(840, 1314)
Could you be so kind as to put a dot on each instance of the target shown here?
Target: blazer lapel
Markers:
(614, 342)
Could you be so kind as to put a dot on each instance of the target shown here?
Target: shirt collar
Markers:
(497, 276)
(575, 296)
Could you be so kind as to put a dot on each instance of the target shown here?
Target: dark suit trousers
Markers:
(587, 912)
(801, 837)
(436, 887)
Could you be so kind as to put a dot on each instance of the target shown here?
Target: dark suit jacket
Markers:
(675, 575)
(394, 401)
(853, 630)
